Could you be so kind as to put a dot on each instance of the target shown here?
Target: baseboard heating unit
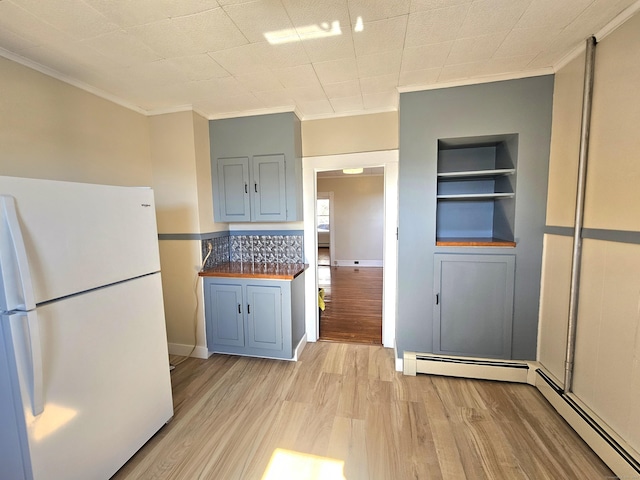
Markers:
(613, 450)
(480, 368)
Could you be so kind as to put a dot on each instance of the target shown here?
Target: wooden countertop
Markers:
(273, 271)
(473, 242)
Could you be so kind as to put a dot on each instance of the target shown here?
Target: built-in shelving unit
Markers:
(476, 190)
(478, 173)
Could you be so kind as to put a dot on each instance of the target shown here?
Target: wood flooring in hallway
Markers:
(353, 299)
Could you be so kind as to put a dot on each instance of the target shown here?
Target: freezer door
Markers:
(79, 236)
(105, 376)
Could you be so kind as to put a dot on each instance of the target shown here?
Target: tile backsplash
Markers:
(264, 248)
(219, 253)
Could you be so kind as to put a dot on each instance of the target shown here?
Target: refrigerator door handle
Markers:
(16, 276)
(35, 349)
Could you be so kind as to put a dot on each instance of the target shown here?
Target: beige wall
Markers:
(358, 216)
(613, 182)
(565, 143)
(554, 303)
(49, 129)
(607, 371)
(174, 172)
(182, 183)
(182, 292)
(362, 133)
(561, 204)
(203, 176)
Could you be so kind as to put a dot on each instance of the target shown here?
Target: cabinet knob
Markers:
(248, 309)
(255, 186)
(239, 309)
(246, 188)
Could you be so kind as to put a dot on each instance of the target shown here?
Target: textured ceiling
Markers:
(336, 57)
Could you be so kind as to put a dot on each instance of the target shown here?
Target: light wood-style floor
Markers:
(344, 411)
(353, 299)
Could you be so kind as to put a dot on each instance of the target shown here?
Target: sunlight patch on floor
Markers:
(290, 465)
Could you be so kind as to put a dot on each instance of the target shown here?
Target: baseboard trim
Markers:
(399, 362)
(361, 263)
(300, 347)
(613, 451)
(184, 350)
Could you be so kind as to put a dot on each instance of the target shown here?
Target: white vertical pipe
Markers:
(574, 292)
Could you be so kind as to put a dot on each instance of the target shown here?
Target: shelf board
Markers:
(473, 196)
(473, 242)
(478, 173)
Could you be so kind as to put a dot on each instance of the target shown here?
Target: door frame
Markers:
(332, 237)
(310, 166)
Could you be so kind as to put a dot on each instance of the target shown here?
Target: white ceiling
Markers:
(213, 56)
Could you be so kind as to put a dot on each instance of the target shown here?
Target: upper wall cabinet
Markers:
(252, 190)
(256, 168)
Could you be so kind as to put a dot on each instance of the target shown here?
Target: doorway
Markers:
(350, 262)
(311, 166)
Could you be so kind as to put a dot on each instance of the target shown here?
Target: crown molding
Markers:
(600, 35)
(251, 113)
(478, 80)
(625, 15)
(359, 113)
(176, 109)
(50, 72)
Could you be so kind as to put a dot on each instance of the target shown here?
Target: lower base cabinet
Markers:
(255, 317)
(473, 308)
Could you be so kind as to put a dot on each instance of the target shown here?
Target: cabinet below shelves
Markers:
(473, 307)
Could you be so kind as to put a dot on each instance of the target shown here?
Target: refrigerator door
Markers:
(14, 458)
(106, 383)
(80, 236)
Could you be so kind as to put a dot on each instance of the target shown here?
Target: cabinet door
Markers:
(473, 311)
(225, 315)
(264, 317)
(233, 185)
(268, 191)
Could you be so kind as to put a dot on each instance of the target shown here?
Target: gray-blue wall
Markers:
(521, 106)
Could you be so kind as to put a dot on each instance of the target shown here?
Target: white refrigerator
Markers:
(84, 367)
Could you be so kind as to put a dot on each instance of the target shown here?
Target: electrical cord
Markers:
(195, 313)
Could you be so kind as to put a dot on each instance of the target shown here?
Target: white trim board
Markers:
(299, 348)
(184, 350)
(357, 263)
(619, 456)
